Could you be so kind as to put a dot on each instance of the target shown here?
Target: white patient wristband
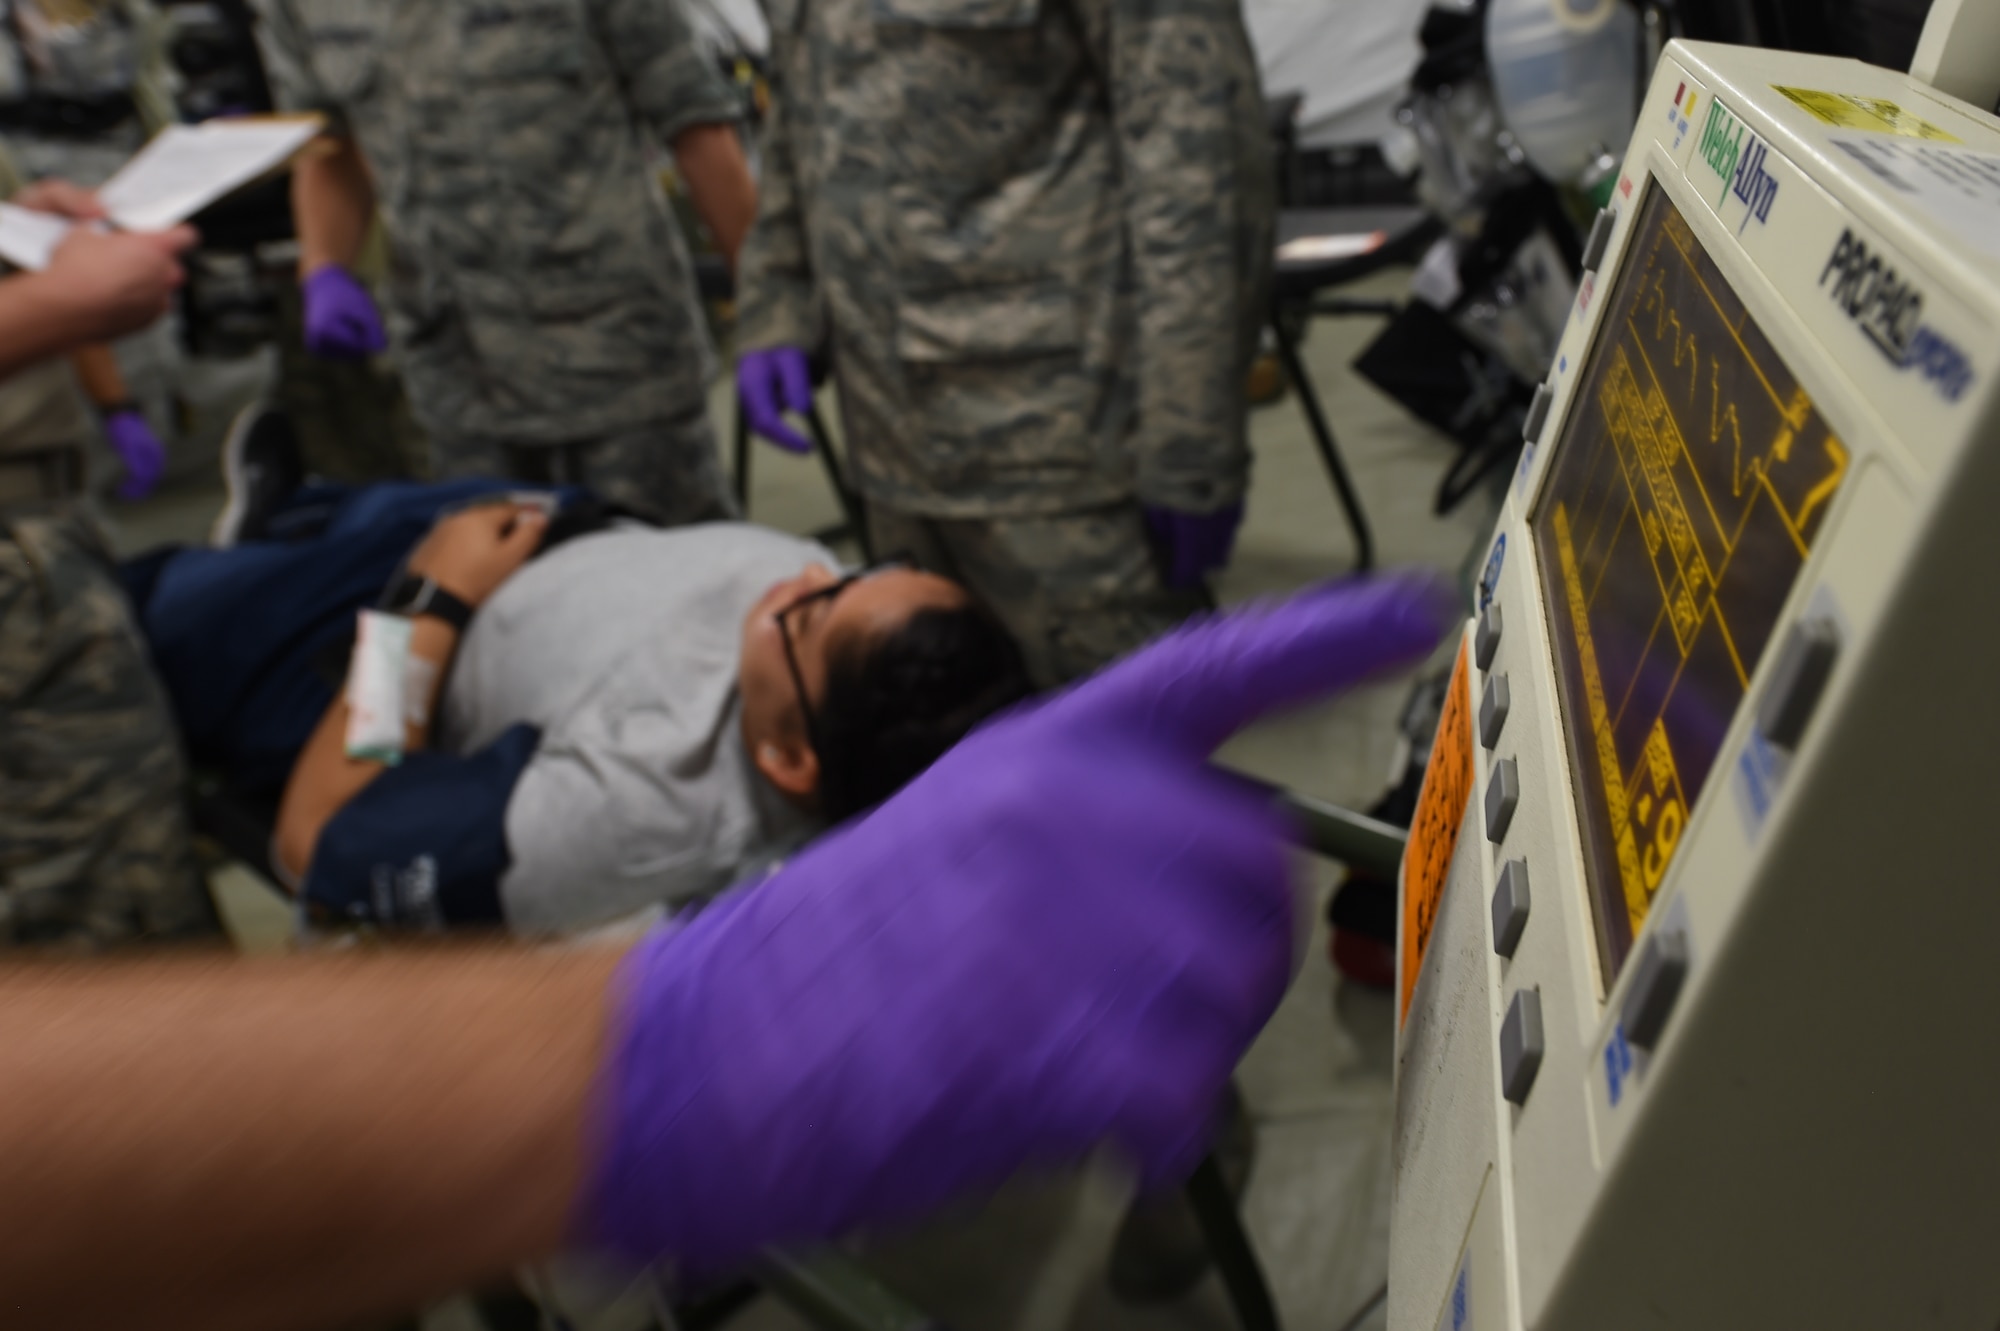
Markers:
(388, 688)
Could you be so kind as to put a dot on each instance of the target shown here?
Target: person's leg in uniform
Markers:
(94, 842)
(1077, 590)
(667, 471)
(457, 456)
(353, 418)
(899, 535)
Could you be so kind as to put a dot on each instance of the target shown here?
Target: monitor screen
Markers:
(1683, 494)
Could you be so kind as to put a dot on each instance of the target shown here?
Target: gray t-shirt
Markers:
(622, 647)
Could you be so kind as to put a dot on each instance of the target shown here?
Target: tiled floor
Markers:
(1318, 1082)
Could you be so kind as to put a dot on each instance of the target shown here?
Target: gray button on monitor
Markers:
(1493, 710)
(1656, 983)
(1510, 907)
(1600, 239)
(1538, 414)
(1503, 792)
(1798, 676)
(1486, 638)
(1521, 1045)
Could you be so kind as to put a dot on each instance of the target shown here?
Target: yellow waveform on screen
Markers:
(1645, 430)
(1593, 681)
(1798, 410)
(1719, 417)
(1658, 507)
(1837, 454)
(1685, 346)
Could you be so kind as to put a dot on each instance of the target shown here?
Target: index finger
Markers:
(174, 240)
(525, 532)
(495, 515)
(1196, 688)
(61, 198)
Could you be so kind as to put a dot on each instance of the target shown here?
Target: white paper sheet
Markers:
(1319, 249)
(28, 238)
(183, 170)
(187, 167)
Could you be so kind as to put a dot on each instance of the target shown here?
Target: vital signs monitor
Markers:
(1699, 1009)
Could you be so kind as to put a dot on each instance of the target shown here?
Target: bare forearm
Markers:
(710, 160)
(97, 371)
(287, 1143)
(37, 321)
(333, 201)
(325, 778)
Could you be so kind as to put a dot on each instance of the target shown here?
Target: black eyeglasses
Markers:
(827, 593)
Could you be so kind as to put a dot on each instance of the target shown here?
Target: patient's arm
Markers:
(469, 554)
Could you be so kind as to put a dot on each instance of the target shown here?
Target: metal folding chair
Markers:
(1298, 280)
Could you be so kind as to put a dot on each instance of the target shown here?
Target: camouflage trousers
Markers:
(94, 841)
(1077, 590)
(666, 472)
(352, 417)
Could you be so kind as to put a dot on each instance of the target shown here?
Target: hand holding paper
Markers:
(61, 198)
(187, 167)
(183, 170)
(109, 285)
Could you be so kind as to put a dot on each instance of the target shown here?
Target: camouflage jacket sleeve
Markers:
(775, 301)
(286, 49)
(1199, 195)
(670, 79)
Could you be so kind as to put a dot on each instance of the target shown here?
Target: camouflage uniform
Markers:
(1034, 238)
(83, 85)
(541, 296)
(352, 418)
(94, 844)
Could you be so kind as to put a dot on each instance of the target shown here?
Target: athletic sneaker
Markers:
(262, 467)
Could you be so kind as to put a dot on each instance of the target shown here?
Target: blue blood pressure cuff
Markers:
(423, 845)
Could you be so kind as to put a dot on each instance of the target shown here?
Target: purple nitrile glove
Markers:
(1066, 932)
(145, 457)
(1194, 544)
(341, 322)
(772, 382)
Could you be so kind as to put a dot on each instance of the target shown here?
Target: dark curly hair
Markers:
(896, 702)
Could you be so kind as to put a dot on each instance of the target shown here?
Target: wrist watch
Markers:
(412, 595)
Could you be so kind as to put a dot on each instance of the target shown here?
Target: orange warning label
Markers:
(1434, 831)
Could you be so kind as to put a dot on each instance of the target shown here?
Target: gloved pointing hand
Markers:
(1068, 931)
(131, 437)
(341, 322)
(770, 383)
(1194, 544)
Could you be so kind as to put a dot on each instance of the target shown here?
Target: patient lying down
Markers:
(630, 720)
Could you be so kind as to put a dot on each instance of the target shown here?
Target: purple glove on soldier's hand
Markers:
(1194, 544)
(341, 322)
(771, 383)
(1068, 931)
(144, 456)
